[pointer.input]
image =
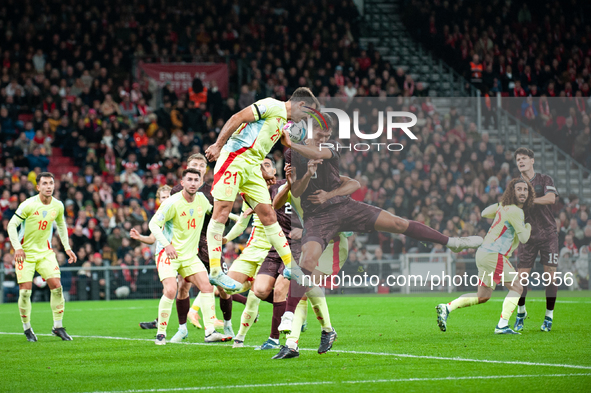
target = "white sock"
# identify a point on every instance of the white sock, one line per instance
(227, 323)
(291, 344)
(275, 340)
(183, 326)
(521, 309)
(57, 324)
(209, 331)
(240, 337)
(26, 326)
(503, 323)
(550, 313)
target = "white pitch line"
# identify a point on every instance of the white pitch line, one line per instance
(79, 310)
(400, 355)
(285, 384)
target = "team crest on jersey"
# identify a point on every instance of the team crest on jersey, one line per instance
(44, 213)
(53, 214)
(228, 191)
(199, 211)
(191, 211)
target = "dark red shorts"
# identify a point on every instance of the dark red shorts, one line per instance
(349, 216)
(272, 265)
(546, 246)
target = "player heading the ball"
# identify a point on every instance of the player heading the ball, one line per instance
(244, 142)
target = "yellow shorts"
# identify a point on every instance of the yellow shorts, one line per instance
(334, 256)
(46, 264)
(493, 268)
(170, 269)
(250, 261)
(232, 176)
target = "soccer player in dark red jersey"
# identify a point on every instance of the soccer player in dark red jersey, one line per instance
(341, 214)
(543, 240)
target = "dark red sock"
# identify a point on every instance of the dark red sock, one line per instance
(269, 299)
(551, 291)
(182, 308)
(521, 301)
(226, 307)
(419, 231)
(296, 293)
(278, 311)
(239, 298)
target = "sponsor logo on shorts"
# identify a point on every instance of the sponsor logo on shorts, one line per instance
(57, 268)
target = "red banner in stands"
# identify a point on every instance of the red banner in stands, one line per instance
(181, 75)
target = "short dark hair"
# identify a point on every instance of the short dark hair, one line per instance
(306, 95)
(270, 157)
(525, 151)
(44, 174)
(191, 170)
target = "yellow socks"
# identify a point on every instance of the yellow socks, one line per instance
(164, 310)
(321, 310)
(278, 240)
(509, 305)
(300, 315)
(215, 232)
(57, 306)
(208, 311)
(249, 315)
(24, 306)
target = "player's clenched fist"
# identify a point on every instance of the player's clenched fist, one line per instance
(213, 152)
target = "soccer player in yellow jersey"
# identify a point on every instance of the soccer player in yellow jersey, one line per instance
(181, 216)
(32, 245)
(492, 258)
(243, 143)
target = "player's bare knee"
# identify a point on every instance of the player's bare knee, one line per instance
(26, 285)
(483, 299)
(261, 293)
(207, 288)
(54, 283)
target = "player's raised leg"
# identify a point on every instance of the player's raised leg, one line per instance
(388, 222)
(470, 299)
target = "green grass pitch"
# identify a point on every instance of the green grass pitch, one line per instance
(386, 343)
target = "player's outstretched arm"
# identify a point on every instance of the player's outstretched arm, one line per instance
(282, 196)
(239, 227)
(135, 235)
(490, 212)
(244, 116)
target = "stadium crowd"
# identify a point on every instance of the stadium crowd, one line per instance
(538, 53)
(66, 90)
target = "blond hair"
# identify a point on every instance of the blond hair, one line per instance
(163, 188)
(196, 156)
